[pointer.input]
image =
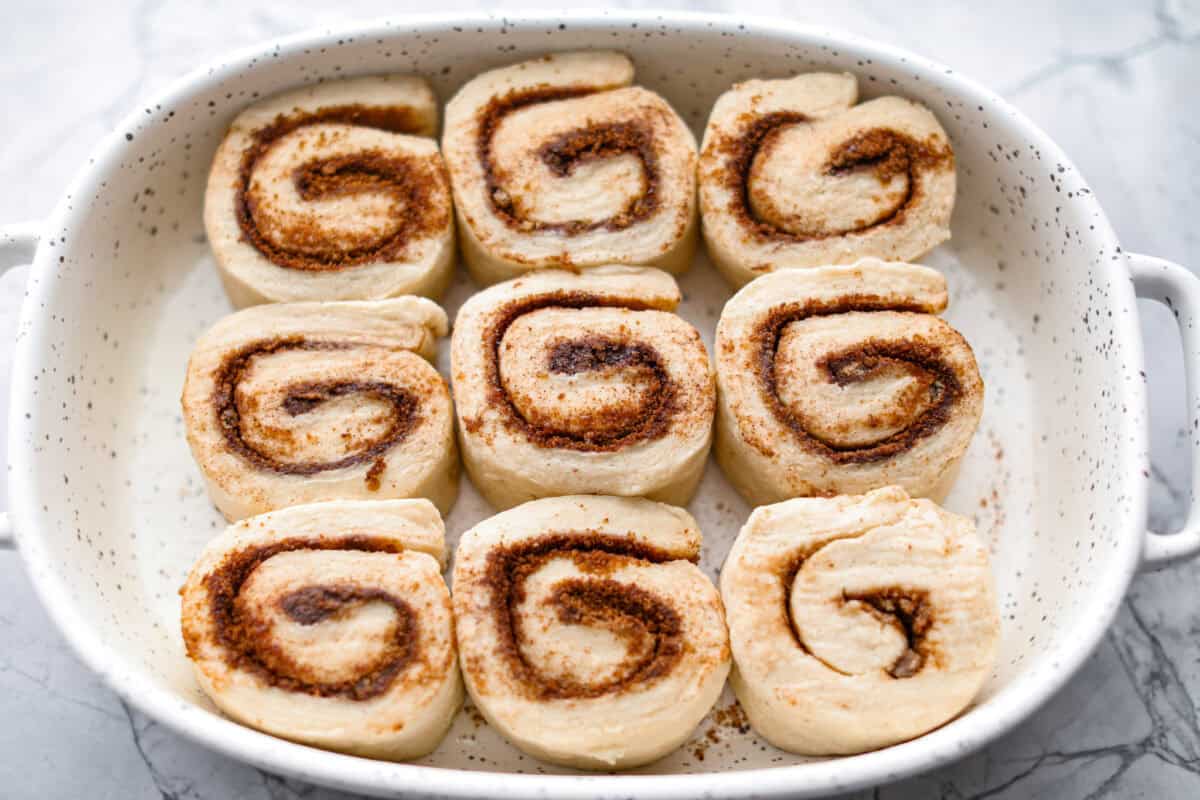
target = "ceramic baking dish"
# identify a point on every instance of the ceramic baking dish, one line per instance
(109, 511)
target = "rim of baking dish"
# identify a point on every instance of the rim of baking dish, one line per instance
(963, 735)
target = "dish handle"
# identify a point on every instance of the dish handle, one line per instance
(1179, 290)
(17, 245)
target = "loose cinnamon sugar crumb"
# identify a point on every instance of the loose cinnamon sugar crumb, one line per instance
(374, 474)
(732, 717)
(473, 714)
(993, 502)
(724, 722)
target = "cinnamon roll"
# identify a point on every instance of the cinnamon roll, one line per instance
(329, 624)
(588, 635)
(571, 383)
(293, 403)
(857, 622)
(333, 192)
(794, 174)
(841, 379)
(562, 162)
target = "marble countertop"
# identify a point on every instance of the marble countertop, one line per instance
(1114, 82)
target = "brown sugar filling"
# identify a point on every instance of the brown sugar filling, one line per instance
(909, 610)
(613, 429)
(416, 186)
(648, 624)
(302, 398)
(858, 363)
(563, 154)
(883, 151)
(596, 352)
(787, 576)
(245, 638)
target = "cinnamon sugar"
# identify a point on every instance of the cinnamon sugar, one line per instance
(648, 624)
(373, 475)
(303, 397)
(244, 639)
(613, 428)
(563, 153)
(740, 152)
(911, 612)
(724, 721)
(886, 152)
(856, 363)
(418, 187)
(908, 610)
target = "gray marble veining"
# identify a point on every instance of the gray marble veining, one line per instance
(1113, 82)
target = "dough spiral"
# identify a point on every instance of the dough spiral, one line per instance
(842, 379)
(329, 624)
(325, 193)
(293, 403)
(581, 383)
(857, 622)
(587, 635)
(794, 174)
(560, 161)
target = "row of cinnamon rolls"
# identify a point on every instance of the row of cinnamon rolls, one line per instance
(831, 380)
(339, 192)
(854, 616)
(584, 630)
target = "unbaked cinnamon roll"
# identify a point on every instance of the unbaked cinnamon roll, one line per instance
(298, 402)
(333, 192)
(857, 622)
(587, 383)
(794, 174)
(842, 379)
(561, 162)
(329, 624)
(588, 636)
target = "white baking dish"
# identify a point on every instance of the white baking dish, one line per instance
(109, 510)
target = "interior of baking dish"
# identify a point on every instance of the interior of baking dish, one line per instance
(1049, 477)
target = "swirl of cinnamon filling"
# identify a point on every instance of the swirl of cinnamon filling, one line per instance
(325, 193)
(794, 174)
(857, 622)
(588, 636)
(560, 161)
(581, 383)
(329, 624)
(294, 403)
(838, 380)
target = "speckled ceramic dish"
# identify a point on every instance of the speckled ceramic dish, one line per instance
(110, 511)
